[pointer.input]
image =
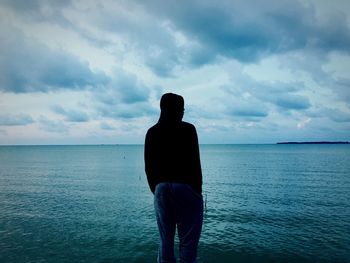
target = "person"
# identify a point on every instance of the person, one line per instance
(173, 169)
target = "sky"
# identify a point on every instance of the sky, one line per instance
(93, 72)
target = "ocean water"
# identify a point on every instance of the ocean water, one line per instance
(264, 203)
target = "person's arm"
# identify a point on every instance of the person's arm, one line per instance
(197, 163)
(149, 161)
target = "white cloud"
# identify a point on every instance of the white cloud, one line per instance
(303, 123)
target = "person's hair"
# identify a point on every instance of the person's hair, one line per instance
(171, 108)
(172, 102)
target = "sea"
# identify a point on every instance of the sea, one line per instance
(263, 203)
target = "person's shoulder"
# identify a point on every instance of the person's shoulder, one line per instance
(153, 127)
(188, 126)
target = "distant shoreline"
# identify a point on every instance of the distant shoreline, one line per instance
(320, 142)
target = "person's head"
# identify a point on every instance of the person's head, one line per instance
(172, 107)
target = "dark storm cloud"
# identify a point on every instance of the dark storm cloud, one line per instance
(15, 119)
(248, 30)
(29, 66)
(242, 30)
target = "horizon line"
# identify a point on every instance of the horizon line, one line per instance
(138, 144)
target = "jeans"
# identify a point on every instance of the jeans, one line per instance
(177, 205)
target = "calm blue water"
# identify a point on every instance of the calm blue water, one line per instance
(265, 203)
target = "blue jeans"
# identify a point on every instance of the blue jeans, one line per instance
(176, 204)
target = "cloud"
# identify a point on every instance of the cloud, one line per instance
(29, 66)
(335, 114)
(256, 96)
(242, 105)
(124, 88)
(243, 65)
(39, 10)
(250, 30)
(125, 111)
(144, 35)
(291, 101)
(162, 63)
(174, 35)
(126, 97)
(248, 112)
(335, 119)
(107, 127)
(53, 125)
(71, 115)
(303, 123)
(130, 90)
(342, 88)
(15, 119)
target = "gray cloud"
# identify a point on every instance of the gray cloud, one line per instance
(249, 112)
(39, 10)
(126, 97)
(246, 31)
(249, 108)
(15, 119)
(124, 88)
(53, 125)
(173, 39)
(256, 95)
(29, 66)
(334, 114)
(338, 115)
(130, 90)
(291, 101)
(125, 111)
(249, 30)
(107, 127)
(141, 33)
(342, 88)
(71, 115)
(162, 63)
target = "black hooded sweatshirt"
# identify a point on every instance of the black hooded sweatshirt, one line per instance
(172, 153)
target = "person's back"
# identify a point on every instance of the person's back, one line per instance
(172, 165)
(173, 155)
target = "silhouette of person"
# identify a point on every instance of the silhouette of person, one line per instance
(173, 169)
